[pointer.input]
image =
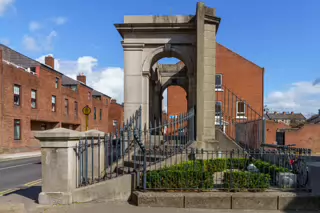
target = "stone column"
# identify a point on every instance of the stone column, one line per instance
(145, 100)
(59, 162)
(206, 70)
(133, 80)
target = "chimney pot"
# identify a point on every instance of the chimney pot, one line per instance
(49, 61)
(81, 77)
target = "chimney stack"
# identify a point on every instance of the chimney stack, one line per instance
(113, 101)
(81, 77)
(292, 113)
(275, 112)
(318, 111)
(49, 61)
(284, 113)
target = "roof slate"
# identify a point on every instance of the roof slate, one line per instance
(21, 60)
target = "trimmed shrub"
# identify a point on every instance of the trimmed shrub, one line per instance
(179, 179)
(246, 180)
(268, 168)
(199, 174)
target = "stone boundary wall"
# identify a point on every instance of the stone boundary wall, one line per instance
(223, 200)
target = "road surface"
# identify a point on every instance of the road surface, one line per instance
(16, 173)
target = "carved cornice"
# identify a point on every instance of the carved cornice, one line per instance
(212, 20)
(146, 74)
(132, 46)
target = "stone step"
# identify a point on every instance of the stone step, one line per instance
(131, 164)
(149, 158)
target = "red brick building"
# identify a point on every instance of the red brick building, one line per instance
(239, 96)
(35, 97)
(116, 116)
(307, 136)
(240, 76)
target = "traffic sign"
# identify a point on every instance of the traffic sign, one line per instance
(86, 110)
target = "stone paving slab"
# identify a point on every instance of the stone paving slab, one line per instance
(122, 207)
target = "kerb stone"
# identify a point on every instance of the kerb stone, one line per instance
(208, 200)
(256, 201)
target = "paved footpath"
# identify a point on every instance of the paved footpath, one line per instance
(122, 207)
(20, 155)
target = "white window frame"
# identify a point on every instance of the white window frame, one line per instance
(217, 116)
(219, 89)
(17, 92)
(220, 102)
(34, 99)
(53, 103)
(241, 115)
(57, 83)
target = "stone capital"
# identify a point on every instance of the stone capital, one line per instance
(146, 74)
(58, 134)
(132, 46)
(94, 133)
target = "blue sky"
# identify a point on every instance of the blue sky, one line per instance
(282, 36)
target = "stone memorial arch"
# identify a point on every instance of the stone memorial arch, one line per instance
(192, 40)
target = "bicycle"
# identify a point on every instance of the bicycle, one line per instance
(300, 168)
(295, 163)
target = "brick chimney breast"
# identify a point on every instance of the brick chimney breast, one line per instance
(49, 61)
(81, 77)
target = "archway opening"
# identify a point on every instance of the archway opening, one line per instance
(167, 74)
(168, 61)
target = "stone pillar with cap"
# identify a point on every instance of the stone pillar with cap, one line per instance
(60, 162)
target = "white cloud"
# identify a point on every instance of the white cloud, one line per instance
(5, 41)
(30, 43)
(33, 26)
(59, 20)
(39, 43)
(106, 80)
(48, 43)
(301, 97)
(4, 5)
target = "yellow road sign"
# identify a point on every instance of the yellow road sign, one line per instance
(86, 110)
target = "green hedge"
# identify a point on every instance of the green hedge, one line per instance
(246, 180)
(213, 165)
(199, 174)
(175, 179)
(268, 168)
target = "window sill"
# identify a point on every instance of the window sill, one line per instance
(242, 117)
(219, 90)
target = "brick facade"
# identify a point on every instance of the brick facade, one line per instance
(116, 116)
(308, 136)
(13, 71)
(242, 77)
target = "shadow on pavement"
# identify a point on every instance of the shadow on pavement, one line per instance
(30, 193)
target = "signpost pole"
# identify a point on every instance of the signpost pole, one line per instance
(86, 111)
(87, 122)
